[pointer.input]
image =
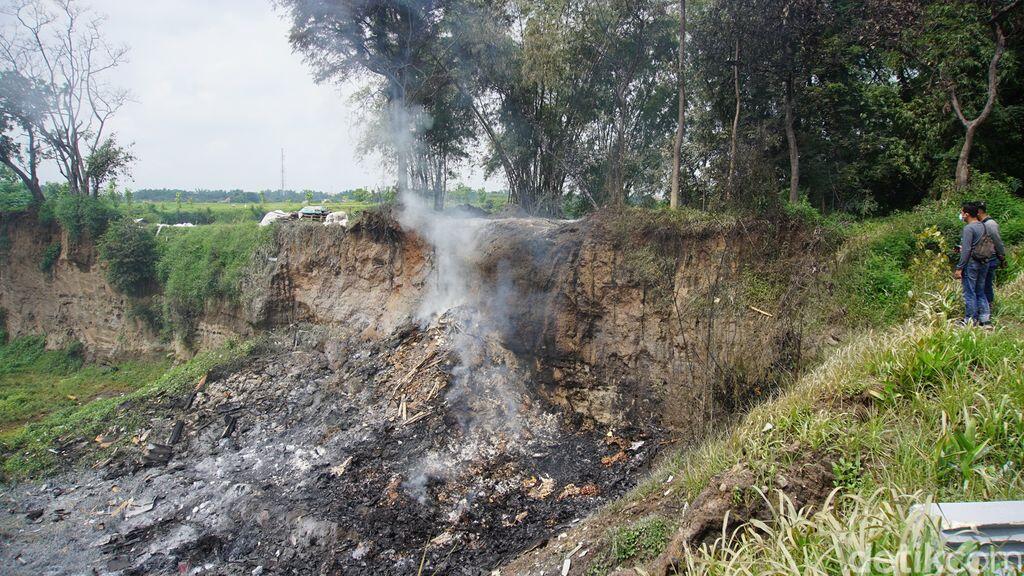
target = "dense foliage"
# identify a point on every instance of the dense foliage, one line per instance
(849, 103)
(203, 263)
(13, 195)
(79, 215)
(130, 251)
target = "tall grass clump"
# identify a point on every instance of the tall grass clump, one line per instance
(881, 533)
(203, 263)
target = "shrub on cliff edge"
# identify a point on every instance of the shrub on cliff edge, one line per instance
(131, 254)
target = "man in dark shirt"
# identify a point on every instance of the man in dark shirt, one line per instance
(970, 271)
(1000, 258)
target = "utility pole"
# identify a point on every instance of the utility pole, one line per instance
(282, 169)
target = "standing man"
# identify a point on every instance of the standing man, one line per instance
(992, 227)
(972, 268)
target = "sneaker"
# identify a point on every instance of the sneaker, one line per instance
(987, 326)
(963, 323)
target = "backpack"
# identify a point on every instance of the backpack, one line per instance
(985, 249)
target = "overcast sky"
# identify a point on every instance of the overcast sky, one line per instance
(218, 92)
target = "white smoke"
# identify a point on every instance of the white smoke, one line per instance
(454, 242)
(484, 397)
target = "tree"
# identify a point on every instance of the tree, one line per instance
(677, 150)
(999, 12)
(391, 39)
(21, 107)
(800, 23)
(55, 58)
(539, 81)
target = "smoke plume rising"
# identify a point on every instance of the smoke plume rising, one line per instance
(484, 395)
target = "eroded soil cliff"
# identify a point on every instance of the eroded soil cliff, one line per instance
(401, 415)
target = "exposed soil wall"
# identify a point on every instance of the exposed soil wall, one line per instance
(70, 302)
(607, 340)
(367, 437)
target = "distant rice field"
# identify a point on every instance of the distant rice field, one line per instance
(224, 213)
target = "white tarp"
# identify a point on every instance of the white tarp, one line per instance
(160, 227)
(339, 218)
(274, 216)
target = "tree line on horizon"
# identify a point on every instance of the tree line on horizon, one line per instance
(852, 105)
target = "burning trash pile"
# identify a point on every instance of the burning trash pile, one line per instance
(429, 449)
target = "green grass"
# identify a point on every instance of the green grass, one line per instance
(942, 421)
(35, 382)
(37, 411)
(203, 263)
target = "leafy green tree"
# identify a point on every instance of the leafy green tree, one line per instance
(964, 43)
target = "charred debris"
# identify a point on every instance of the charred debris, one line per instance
(336, 457)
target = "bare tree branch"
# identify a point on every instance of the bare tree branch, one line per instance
(59, 46)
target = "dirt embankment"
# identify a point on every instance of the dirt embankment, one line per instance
(71, 301)
(621, 323)
(369, 437)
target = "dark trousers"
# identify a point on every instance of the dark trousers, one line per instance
(990, 280)
(976, 309)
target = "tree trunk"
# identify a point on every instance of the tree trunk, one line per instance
(516, 182)
(730, 180)
(29, 182)
(963, 164)
(794, 152)
(439, 169)
(615, 184)
(399, 125)
(677, 149)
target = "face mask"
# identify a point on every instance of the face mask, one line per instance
(961, 216)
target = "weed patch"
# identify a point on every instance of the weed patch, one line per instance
(203, 263)
(50, 256)
(104, 397)
(636, 543)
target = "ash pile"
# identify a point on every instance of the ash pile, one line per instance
(426, 453)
